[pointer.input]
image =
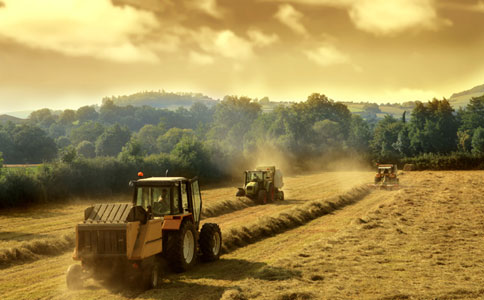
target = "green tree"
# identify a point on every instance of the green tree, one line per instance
(32, 145)
(433, 127)
(7, 146)
(112, 140)
(472, 116)
(402, 145)
(56, 130)
(68, 154)
(86, 113)
(385, 135)
(147, 136)
(360, 135)
(62, 142)
(192, 155)
(86, 149)
(233, 118)
(132, 152)
(464, 140)
(478, 141)
(168, 141)
(88, 131)
(328, 136)
(67, 117)
(42, 117)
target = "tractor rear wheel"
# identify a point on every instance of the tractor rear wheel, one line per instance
(262, 197)
(180, 247)
(74, 277)
(210, 241)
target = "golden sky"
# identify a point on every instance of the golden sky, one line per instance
(69, 53)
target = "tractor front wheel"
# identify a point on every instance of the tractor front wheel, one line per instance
(181, 247)
(210, 241)
(271, 194)
(74, 277)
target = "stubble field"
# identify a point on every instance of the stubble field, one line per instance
(423, 241)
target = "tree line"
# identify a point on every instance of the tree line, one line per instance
(216, 141)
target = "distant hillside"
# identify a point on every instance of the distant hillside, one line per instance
(162, 99)
(7, 118)
(462, 98)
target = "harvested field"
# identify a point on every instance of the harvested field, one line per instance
(423, 241)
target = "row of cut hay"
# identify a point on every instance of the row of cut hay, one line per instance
(33, 250)
(270, 226)
(227, 206)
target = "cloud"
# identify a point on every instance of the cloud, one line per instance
(261, 39)
(383, 17)
(225, 43)
(327, 56)
(379, 17)
(200, 58)
(93, 28)
(290, 17)
(209, 7)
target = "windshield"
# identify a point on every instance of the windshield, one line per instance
(159, 198)
(255, 176)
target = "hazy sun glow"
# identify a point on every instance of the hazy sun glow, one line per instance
(68, 53)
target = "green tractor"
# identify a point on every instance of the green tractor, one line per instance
(262, 185)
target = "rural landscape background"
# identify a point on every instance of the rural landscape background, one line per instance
(94, 91)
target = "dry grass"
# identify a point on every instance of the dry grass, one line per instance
(238, 274)
(36, 249)
(270, 226)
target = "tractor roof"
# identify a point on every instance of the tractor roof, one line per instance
(158, 180)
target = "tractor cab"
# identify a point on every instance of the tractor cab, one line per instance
(168, 196)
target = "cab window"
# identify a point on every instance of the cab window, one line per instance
(184, 197)
(159, 198)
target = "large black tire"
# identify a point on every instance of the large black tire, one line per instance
(74, 277)
(210, 242)
(180, 247)
(271, 193)
(240, 193)
(150, 273)
(262, 197)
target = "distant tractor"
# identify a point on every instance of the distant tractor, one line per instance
(386, 176)
(262, 185)
(133, 241)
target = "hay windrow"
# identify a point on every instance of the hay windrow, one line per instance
(33, 250)
(227, 206)
(270, 226)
